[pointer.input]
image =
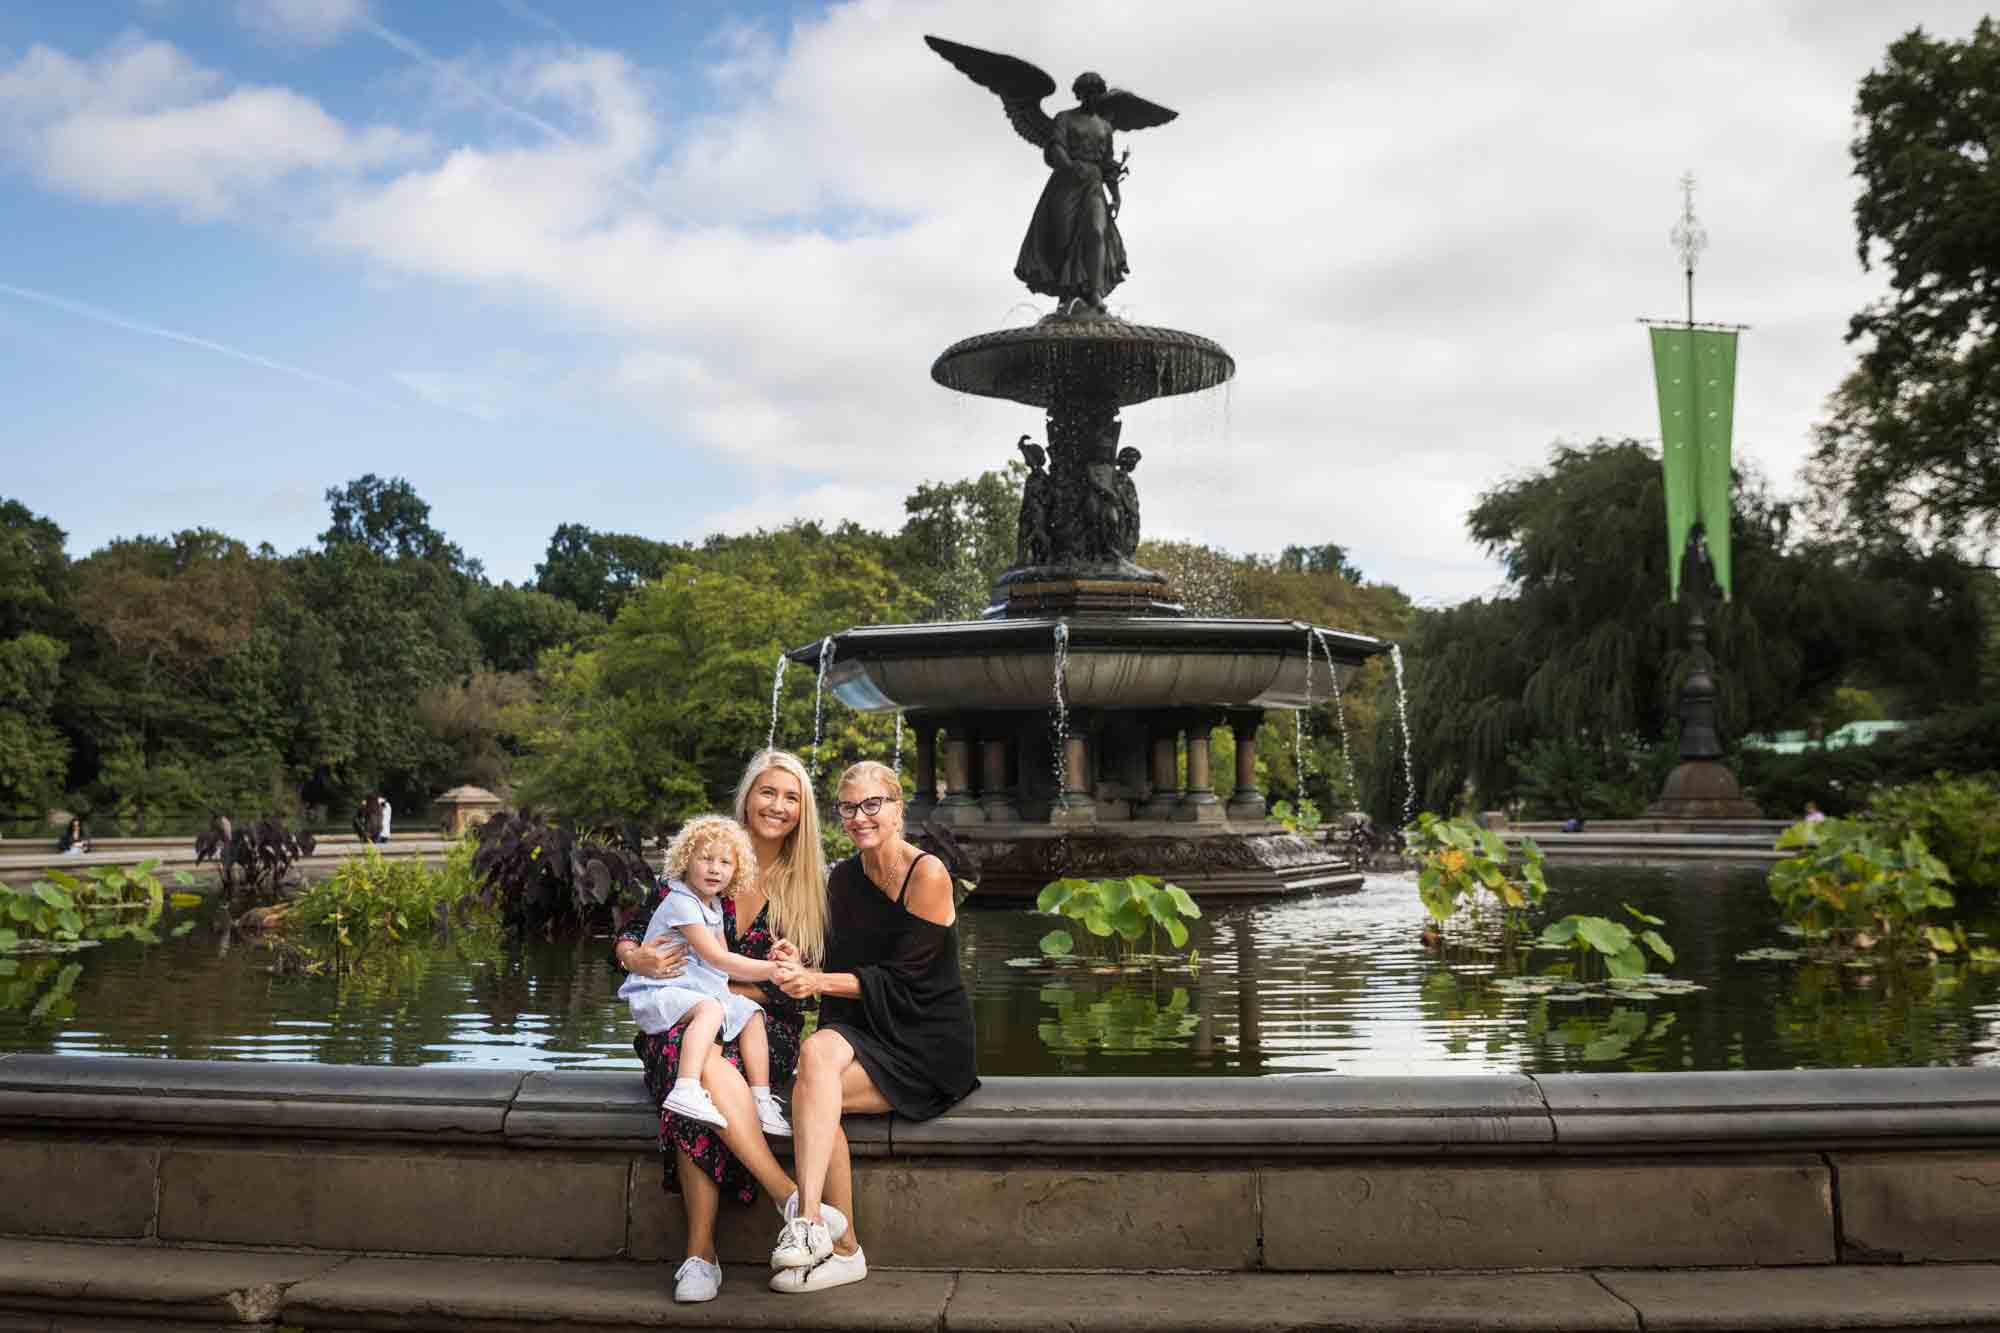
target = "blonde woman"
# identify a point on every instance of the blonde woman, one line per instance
(775, 805)
(895, 1025)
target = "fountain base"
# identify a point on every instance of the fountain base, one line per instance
(1233, 859)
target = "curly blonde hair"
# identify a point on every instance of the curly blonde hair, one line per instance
(703, 830)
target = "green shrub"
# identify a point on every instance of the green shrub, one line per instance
(1958, 819)
(1616, 944)
(372, 903)
(1458, 861)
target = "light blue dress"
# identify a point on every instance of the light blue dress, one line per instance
(658, 1003)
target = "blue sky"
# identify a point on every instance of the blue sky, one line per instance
(672, 268)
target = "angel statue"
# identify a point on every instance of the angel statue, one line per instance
(1072, 251)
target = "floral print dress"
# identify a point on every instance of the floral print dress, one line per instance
(784, 1026)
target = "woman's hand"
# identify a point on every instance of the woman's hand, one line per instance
(660, 957)
(784, 951)
(797, 982)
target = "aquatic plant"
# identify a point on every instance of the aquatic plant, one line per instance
(1613, 946)
(62, 913)
(1303, 818)
(541, 875)
(1850, 889)
(1118, 912)
(1958, 819)
(373, 903)
(1458, 862)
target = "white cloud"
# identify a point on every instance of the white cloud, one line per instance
(306, 22)
(141, 123)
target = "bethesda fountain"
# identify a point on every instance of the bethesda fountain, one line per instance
(1068, 730)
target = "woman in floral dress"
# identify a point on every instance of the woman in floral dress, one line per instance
(774, 801)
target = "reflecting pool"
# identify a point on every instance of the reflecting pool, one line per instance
(1336, 983)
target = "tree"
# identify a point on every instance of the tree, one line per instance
(1586, 650)
(597, 571)
(515, 626)
(389, 518)
(959, 538)
(1914, 437)
(34, 755)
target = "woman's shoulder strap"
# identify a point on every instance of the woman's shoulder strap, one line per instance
(911, 872)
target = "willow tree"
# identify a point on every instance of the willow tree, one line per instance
(1584, 649)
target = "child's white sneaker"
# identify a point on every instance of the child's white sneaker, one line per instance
(771, 1119)
(692, 1101)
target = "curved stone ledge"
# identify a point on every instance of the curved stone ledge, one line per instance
(1310, 1116)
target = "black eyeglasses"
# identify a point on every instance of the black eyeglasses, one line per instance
(872, 806)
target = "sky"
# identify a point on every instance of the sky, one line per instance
(673, 269)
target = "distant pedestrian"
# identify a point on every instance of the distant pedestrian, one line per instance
(1574, 824)
(1814, 815)
(383, 811)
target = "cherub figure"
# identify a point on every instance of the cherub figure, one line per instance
(1031, 534)
(1128, 503)
(1072, 251)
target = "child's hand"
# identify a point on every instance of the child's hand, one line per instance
(784, 951)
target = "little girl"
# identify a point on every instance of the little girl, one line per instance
(708, 860)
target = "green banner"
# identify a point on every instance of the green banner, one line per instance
(1694, 371)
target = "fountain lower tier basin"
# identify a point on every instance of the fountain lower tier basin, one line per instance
(1110, 662)
(1252, 859)
(1096, 358)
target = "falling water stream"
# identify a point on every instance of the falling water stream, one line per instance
(1062, 711)
(1299, 722)
(1339, 709)
(1403, 722)
(819, 695)
(777, 683)
(899, 743)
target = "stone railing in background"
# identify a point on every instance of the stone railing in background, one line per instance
(1298, 1174)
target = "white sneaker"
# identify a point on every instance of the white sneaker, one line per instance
(836, 1270)
(801, 1244)
(695, 1104)
(697, 1280)
(836, 1221)
(772, 1120)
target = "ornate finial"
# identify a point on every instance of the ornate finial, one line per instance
(1690, 238)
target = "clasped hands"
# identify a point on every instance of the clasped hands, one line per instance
(793, 977)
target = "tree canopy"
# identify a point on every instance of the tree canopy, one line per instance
(1913, 442)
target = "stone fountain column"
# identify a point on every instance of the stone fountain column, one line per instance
(1199, 803)
(1074, 805)
(958, 806)
(925, 801)
(995, 798)
(1246, 802)
(1164, 798)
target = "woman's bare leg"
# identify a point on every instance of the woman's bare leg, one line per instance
(744, 1137)
(829, 1082)
(839, 1190)
(701, 1200)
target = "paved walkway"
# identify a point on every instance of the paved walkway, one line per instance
(23, 865)
(65, 1285)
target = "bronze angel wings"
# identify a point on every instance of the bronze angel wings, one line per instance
(1021, 88)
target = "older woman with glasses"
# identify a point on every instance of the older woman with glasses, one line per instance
(895, 1023)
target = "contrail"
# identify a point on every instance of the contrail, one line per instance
(188, 339)
(535, 16)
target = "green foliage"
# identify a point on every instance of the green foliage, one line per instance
(537, 875)
(515, 626)
(959, 538)
(1850, 888)
(1585, 649)
(1118, 913)
(62, 913)
(1556, 778)
(373, 904)
(388, 519)
(1616, 945)
(655, 721)
(1120, 1020)
(597, 571)
(1957, 819)
(1458, 862)
(1911, 444)
(1303, 819)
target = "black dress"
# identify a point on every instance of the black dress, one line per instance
(911, 1028)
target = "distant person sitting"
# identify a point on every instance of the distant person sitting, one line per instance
(1574, 824)
(74, 841)
(1814, 815)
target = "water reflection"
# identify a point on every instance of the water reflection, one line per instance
(1338, 983)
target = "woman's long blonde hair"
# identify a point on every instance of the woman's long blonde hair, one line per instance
(796, 883)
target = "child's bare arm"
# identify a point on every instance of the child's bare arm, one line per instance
(709, 949)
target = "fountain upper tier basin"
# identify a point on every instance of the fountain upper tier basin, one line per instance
(1121, 662)
(1095, 358)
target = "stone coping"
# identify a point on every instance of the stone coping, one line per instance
(1308, 1116)
(81, 1285)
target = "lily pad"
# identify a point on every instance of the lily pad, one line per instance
(1769, 955)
